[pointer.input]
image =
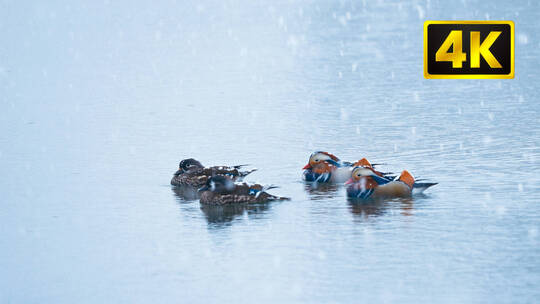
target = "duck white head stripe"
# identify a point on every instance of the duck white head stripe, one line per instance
(361, 171)
(318, 156)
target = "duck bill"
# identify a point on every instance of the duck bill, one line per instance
(308, 166)
(203, 188)
(178, 172)
(350, 181)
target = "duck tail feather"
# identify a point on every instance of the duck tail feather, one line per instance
(240, 166)
(268, 187)
(247, 172)
(423, 185)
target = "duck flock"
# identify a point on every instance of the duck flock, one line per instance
(222, 185)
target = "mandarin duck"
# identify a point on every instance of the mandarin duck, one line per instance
(222, 190)
(325, 167)
(192, 173)
(366, 183)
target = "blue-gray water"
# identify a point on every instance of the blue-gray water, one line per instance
(101, 100)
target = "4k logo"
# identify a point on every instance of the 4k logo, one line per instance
(468, 49)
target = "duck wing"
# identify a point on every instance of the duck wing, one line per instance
(232, 172)
(193, 179)
(258, 192)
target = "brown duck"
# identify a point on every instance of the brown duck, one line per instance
(221, 190)
(192, 173)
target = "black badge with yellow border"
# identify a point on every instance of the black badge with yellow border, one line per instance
(468, 49)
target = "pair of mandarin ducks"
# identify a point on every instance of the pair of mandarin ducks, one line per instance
(361, 179)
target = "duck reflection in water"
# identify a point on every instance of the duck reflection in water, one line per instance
(186, 193)
(225, 215)
(319, 191)
(376, 207)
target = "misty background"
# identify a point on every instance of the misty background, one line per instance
(100, 100)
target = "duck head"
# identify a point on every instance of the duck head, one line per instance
(320, 158)
(359, 172)
(218, 184)
(188, 164)
(361, 184)
(363, 174)
(320, 167)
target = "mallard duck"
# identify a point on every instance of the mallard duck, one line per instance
(192, 173)
(222, 190)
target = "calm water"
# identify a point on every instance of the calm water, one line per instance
(100, 101)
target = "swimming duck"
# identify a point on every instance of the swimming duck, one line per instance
(221, 190)
(192, 173)
(366, 183)
(325, 167)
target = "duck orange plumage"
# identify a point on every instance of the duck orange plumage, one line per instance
(366, 183)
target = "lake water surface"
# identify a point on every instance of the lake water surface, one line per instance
(100, 101)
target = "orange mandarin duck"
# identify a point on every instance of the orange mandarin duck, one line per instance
(324, 167)
(366, 183)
